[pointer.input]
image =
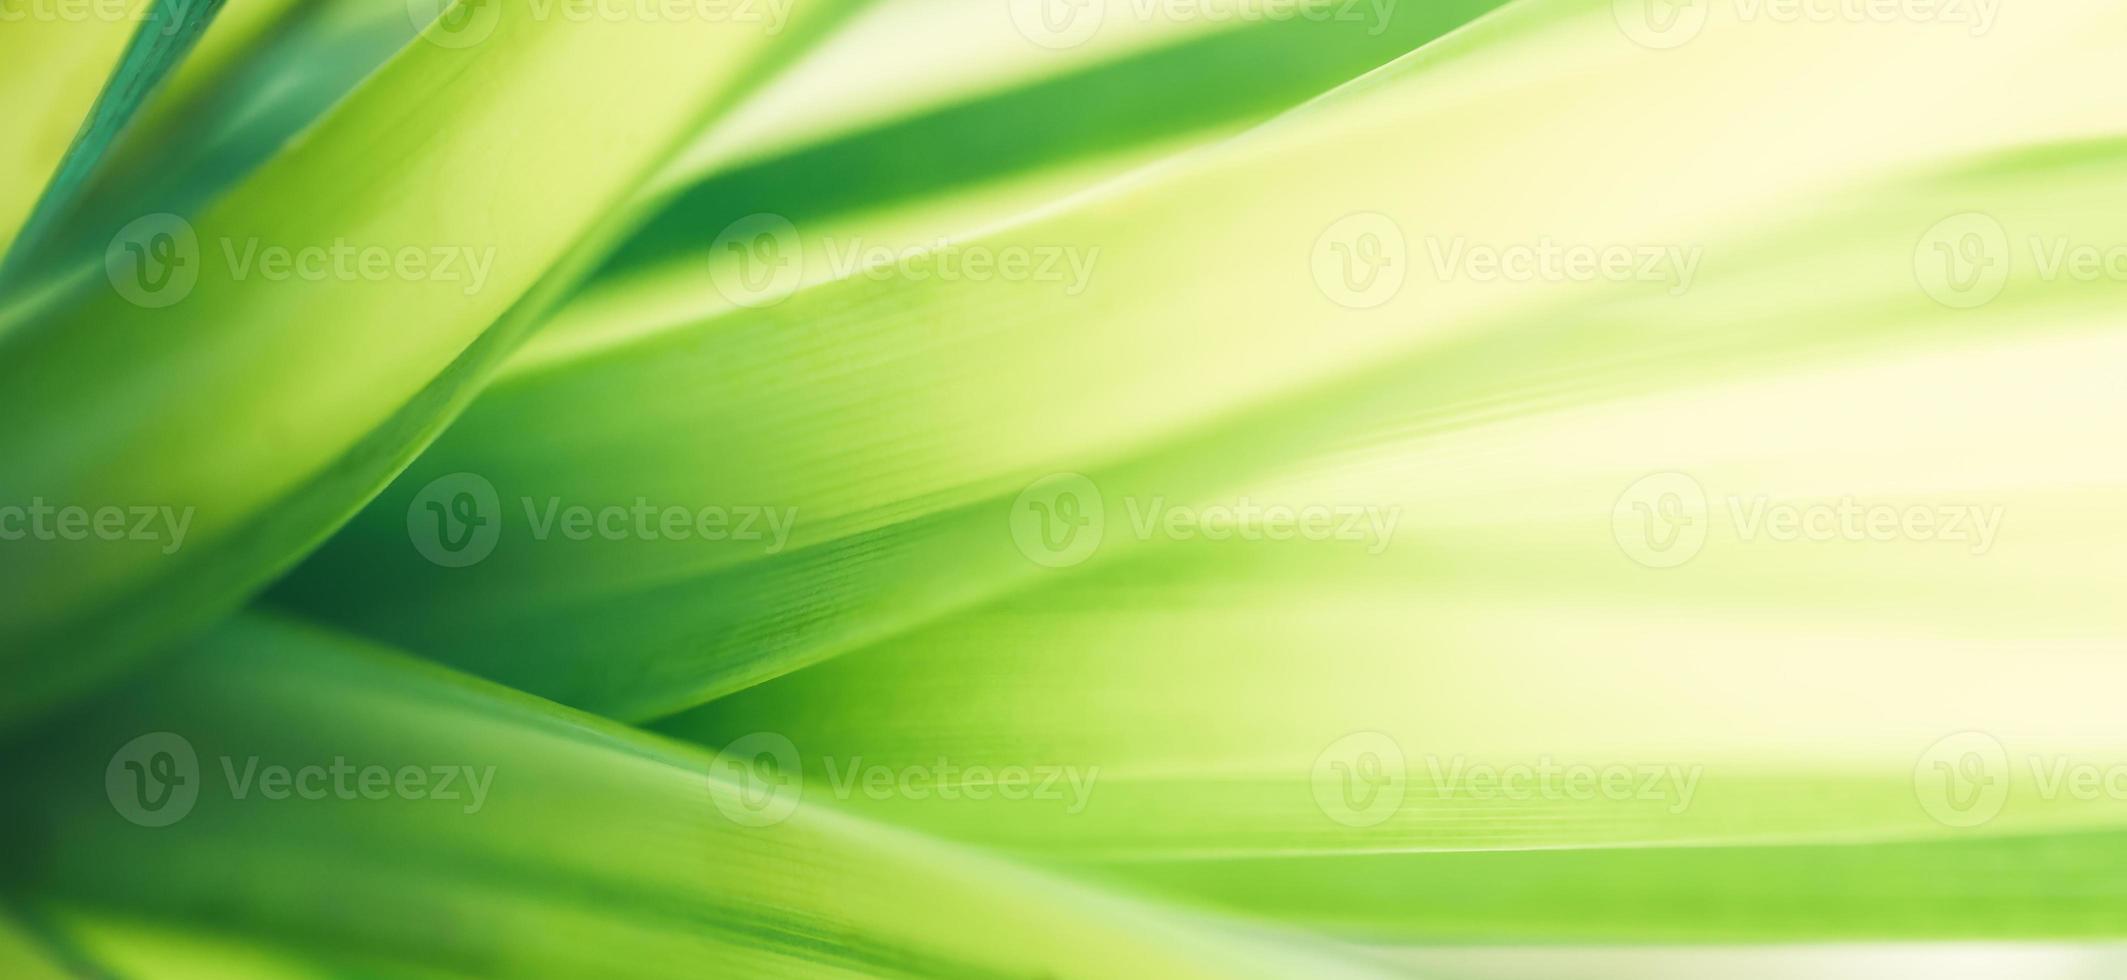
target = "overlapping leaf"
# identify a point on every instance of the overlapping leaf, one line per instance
(892, 419)
(795, 314)
(130, 396)
(538, 841)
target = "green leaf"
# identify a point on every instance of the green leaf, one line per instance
(1209, 686)
(264, 73)
(892, 421)
(629, 304)
(337, 379)
(168, 33)
(896, 170)
(51, 69)
(562, 844)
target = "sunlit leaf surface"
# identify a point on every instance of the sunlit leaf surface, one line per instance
(1063, 488)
